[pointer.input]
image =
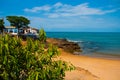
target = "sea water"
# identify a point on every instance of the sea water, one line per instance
(92, 42)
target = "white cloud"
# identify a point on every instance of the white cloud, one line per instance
(58, 5)
(62, 10)
(36, 9)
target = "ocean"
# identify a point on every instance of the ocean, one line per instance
(92, 42)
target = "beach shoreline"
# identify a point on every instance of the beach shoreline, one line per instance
(75, 49)
(89, 67)
(92, 42)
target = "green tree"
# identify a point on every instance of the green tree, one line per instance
(18, 21)
(1, 25)
(42, 35)
(23, 21)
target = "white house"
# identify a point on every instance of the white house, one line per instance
(27, 30)
(12, 30)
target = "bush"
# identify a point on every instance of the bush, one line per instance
(42, 35)
(29, 62)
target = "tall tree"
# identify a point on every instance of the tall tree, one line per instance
(18, 21)
(2, 25)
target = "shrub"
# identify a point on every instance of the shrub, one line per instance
(30, 61)
(42, 35)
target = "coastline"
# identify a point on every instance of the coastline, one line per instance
(74, 48)
(89, 67)
(107, 43)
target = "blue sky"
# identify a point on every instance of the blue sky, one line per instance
(66, 15)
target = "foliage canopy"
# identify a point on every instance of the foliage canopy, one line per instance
(18, 21)
(30, 61)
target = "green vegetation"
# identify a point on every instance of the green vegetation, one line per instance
(18, 21)
(30, 61)
(42, 35)
(2, 25)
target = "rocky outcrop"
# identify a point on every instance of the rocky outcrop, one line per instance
(64, 44)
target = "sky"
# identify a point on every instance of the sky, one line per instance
(66, 15)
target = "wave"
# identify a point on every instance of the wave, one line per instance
(75, 41)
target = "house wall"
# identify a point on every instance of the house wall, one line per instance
(34, 31)
(11, 31)
(27, 30)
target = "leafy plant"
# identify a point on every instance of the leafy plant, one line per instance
(42, 35)
(31, 61)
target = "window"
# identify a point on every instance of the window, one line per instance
(15, 30)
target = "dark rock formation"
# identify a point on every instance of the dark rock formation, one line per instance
(64, 44)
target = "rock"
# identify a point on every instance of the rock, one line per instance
(64, 44)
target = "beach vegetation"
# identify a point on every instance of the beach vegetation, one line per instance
(30, 61)
(42, 35)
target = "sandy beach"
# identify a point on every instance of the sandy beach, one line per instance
(89, 68)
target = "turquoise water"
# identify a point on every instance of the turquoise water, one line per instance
(92, 42)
